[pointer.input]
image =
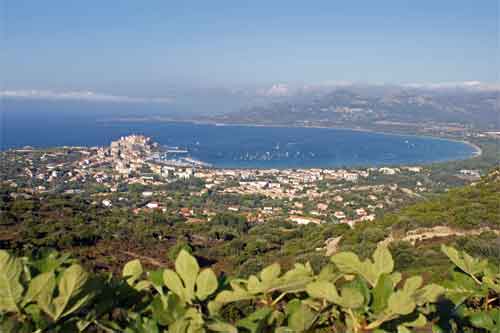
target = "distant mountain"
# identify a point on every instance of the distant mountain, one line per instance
(353, 106)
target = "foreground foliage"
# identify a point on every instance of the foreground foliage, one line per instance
(55, 294)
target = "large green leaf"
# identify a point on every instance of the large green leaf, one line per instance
(270, 273)
(299, 271)
(487, 320)
(412, 284)
(381, 293)
(167, 309)
(160, 311)
(219, 326)
(45, 297)
(256, 321)
(461, 287)
(360, 285)
(174, 283)
(346, 262)
(323, 290)
(382, 260)
(350, 298)
(428, 294)
(464, 261)
(254, 285)
(187, 267)
(132, 271)
(301, 319)
(349, 263)
(206, 284)
(179, 326)
(38, 285)
(227, 296)
(400, 303)
(11, 289)
(71, 289)
(52, 262)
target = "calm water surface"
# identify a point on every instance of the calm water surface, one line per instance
(233, 146)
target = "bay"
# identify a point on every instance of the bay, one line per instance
(230, 146)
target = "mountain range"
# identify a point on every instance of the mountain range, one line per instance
(412, 106)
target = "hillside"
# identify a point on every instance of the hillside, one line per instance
(467, 217)
(105, 239)
(403, 109)
(234, 276)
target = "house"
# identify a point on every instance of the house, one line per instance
(186, 174)
(351, 177)
(186, 212)
(106, 203)
(338, 198)
(414, 169)
(361, 212)
(298, 205)
(471, 173)
(350, 223)
(322, 206)
(368, 218)
(195, 220)
(304, 220)
(339, 215)
(152, 205)
(387, 171)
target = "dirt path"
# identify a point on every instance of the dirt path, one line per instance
(421, 234)
(149, 260)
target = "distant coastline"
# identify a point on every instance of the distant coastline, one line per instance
(478, 151)
(239, 146)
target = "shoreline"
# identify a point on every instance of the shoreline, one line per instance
(477, 153)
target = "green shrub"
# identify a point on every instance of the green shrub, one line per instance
(55, 294)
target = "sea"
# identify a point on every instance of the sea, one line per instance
(52, 124)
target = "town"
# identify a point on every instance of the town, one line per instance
(127, 175)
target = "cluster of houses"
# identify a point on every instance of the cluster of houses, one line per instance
(127, 160)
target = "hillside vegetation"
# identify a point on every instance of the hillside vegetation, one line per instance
(471, 213)
(55, 294)
(105, 239)
(468, 207)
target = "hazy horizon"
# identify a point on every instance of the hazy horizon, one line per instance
(163, 51)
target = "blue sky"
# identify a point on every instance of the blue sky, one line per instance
(154, 48)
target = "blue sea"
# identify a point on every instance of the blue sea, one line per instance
(52, 124)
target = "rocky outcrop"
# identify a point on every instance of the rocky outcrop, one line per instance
(421, 234)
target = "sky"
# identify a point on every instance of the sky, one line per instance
(159, 49)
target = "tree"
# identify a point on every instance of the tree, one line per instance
(238, 222)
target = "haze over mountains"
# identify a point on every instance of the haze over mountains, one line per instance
(454, 106)
(462, 105)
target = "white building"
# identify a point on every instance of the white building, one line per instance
(304, 220)
(152, 205)
(339, 215)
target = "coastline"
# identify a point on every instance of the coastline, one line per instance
(477, 153)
